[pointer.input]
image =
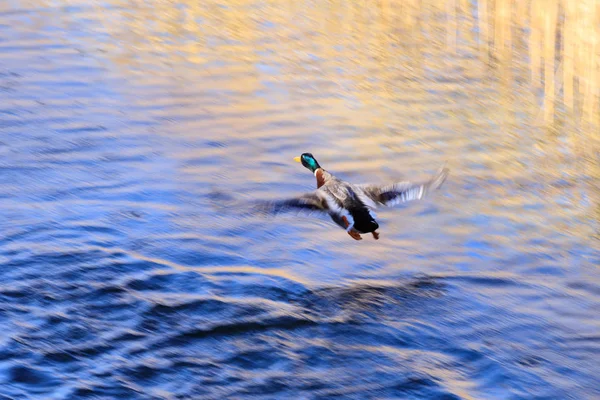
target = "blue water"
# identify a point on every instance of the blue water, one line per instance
(129, 135)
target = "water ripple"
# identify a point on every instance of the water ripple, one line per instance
(133, 136)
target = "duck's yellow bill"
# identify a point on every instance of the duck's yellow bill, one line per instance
(297, 159)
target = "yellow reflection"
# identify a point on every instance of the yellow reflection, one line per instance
(391, 70)
(382, 39)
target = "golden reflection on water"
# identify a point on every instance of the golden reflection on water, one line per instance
(413, 67)
(551, 45)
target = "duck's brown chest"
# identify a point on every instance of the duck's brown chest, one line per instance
(320, 178)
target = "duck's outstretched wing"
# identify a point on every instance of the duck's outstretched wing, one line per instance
(401, 192)
(310, 202)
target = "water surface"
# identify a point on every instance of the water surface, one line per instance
(128, 130)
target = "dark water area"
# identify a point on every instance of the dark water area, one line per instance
(130, 132)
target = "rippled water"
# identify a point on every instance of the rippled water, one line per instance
(130, 130)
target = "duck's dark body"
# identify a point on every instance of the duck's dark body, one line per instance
(363, 221)
(350, 203)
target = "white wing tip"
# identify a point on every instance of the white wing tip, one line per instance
(440, 177)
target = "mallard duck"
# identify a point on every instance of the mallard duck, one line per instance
(351, 205)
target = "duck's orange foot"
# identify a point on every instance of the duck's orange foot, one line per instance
(355, 235)
(375, 235)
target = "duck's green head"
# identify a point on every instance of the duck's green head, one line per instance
(308, 161)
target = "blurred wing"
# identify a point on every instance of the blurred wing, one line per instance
(402, 192)
(310, 202)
